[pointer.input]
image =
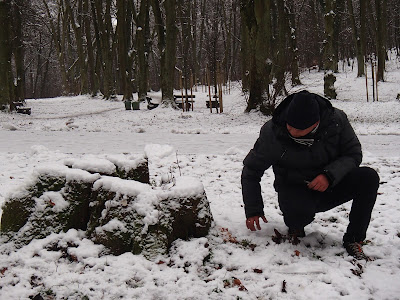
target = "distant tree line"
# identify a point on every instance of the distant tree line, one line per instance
(67, 47)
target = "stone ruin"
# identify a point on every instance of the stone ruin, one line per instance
(112, 202)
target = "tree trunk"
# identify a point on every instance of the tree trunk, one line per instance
(363, 37)
(170, 50)
(338, 9)
(193, 29)
(186, 43)
(142, 55)
(6, 78)
(245, 54)
(105, 36)
(59, 43)
(291, 25)
(357, 39)
(280, 50)
(19, 51)
(93, 76)
(381, 34)
(256, 18)
(201, 38)
(124, 16)
(166, 46)
(330, 61)
(81, 64)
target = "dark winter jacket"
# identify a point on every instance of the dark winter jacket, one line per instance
(335, 151)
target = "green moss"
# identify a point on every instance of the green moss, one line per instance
(140, 173)
(46, 183)
(16, 212)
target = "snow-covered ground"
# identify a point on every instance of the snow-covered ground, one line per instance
(231, 262)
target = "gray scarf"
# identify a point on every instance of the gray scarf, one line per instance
(308, 140)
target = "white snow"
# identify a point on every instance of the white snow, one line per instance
(91, 163)
(125, 187)
(231, 262)
(55, 199)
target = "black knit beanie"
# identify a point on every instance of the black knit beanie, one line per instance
(303, 110)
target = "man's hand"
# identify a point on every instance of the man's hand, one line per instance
(250, 222)
(320, 183)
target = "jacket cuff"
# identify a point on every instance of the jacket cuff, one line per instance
(253, 213)
(329, 175)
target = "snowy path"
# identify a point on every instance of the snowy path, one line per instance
(125, 142)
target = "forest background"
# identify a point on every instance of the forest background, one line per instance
(69, 47)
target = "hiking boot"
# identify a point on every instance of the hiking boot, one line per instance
(297, 232)
(355, 249)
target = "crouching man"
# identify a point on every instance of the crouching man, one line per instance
(315, 156)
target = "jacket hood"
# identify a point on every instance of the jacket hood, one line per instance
(279, 115)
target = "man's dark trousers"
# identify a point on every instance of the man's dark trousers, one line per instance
(299, 204)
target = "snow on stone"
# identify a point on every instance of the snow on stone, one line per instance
(112, 225)
(126, 163)
(91, 163)
(56, 170)
(125, 187)
(55, 199)
(185, 187)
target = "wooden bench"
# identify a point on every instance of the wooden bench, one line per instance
(151, 105)
(186, 99)
(19, 106)
(24, 110)
(214, 102)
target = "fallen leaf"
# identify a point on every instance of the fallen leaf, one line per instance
(236, 281)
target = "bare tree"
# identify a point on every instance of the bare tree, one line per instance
(19, 51)
(256, 18)
(142, 38)
(381, 35)
(167, 35)
(125, 60)
(6, 78)
(330, 59)
(105, 41)
(357, 39)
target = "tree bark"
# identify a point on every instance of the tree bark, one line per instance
(338, 9)
(6, 78)
(92, 74)
(19, 51)
(357, 39)
(60, 46)
(330, 61)
(256, 18)
(381, 34)
(81, 64)
(170, 49)
(124, 16)
(142, 55)
(106, 40)
(281, 56)
(292, 32)
(363, 23)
